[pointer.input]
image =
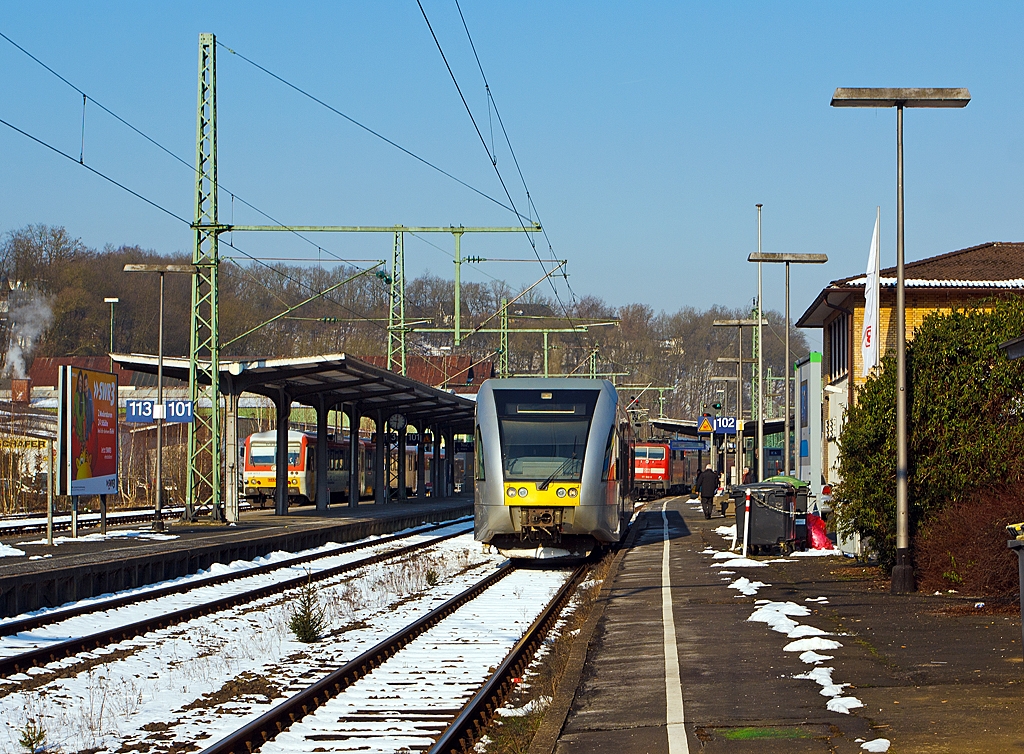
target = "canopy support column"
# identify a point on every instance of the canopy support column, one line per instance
(401, 464)
(380, 461)
(284, 411)
(323, 493)
(421, 461)
(353, 455)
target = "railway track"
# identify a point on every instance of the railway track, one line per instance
(47, 650)
(47, 617)
(432, 685)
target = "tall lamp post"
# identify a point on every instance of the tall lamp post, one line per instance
(903, 572)
(787, 259)
(158, 409)
(111, 300)
(760, 360)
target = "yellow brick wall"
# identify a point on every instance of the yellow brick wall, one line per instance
(920, 303)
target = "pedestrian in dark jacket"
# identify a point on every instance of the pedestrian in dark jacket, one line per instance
(706, 485)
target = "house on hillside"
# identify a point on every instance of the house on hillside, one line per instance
(964, 279)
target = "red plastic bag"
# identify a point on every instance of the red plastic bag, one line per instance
(816, 533)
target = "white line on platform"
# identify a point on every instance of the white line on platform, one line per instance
(677, 743)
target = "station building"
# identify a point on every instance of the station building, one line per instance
(965, 279)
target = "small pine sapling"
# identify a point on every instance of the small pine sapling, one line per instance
(310, 617)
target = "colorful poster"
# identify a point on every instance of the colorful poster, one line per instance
(88, 421)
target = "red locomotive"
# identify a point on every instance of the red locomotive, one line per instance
(658, 470)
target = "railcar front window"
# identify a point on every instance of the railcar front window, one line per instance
(544, 434)
(539, 450)
(655, 454)
(265, 454)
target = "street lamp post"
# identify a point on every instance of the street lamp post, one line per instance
(111, 300)
(903, 572)
(760, 360)
(158, 409)
(788, 259)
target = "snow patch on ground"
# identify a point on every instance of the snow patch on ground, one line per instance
(801, 631)
(740, 562)
(534, 705)
(823, 677)
(813, 658)
(726, 555)
(811, 644)
(879, 744)
(728, 532)
(6, 551)
(843, 704)
(747, 587)
(97, 537)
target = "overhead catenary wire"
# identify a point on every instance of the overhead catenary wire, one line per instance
(157, 144)
(178, 158)
(366, 128)
(494, 164)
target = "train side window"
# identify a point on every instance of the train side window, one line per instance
(478, 455)
(608, 472)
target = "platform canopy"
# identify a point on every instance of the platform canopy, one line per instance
(337, 378)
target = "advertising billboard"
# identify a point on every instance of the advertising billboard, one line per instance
(87, 437)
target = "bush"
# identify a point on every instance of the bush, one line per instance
(309, 618)
(963, 547)
(965, 402)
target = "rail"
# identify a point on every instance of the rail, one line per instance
(9, 628)
(21, 662)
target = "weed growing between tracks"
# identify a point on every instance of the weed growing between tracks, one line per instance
(512, 731)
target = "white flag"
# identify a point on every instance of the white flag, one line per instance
(869, 330)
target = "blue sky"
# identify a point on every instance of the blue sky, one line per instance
(647, 132)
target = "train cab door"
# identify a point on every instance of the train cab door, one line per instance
(311, 473)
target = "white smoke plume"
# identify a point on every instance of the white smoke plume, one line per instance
(29, 316)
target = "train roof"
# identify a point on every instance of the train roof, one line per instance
(549, 383)
(271, 436)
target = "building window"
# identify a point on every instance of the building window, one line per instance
(839, 346)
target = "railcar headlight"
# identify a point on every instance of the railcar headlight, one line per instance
(511, 492)
(523, 492)
(560, 492)
(573, 492)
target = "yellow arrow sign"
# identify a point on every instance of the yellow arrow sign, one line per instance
(705, 426)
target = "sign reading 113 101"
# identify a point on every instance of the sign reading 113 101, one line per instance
(174, 411)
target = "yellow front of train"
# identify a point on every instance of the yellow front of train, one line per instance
(549, 466)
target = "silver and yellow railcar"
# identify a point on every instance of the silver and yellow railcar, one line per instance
(554, 467)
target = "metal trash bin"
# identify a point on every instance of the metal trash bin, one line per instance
(803, 490)
(772, 516)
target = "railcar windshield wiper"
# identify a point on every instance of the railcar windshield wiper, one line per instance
(561, 467)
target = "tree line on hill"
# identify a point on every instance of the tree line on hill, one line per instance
(55, 286)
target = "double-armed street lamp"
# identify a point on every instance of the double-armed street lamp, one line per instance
(158, 409)
(787, 259)
(903, 572)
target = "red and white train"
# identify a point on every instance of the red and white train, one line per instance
(658, 470)
(260, 475)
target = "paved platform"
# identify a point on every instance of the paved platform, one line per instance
(74, 569)
(674, 664)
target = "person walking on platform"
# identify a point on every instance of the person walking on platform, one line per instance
(706, 485)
